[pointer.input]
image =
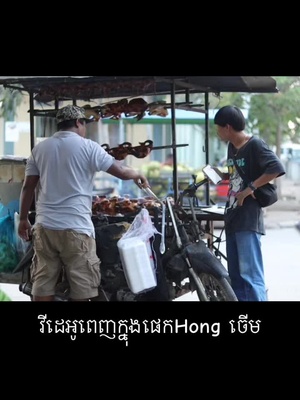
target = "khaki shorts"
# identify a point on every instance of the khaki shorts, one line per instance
(67, 250)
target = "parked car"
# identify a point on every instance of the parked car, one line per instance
(290, 151)
(217, 193)
(223, 186)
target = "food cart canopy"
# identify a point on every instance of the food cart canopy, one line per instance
(46, 89)
(61, 88)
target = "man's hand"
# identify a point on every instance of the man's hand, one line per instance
(142, 182)
(240, 196)
(25, 230)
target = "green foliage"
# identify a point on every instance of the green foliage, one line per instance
(236, 99)
(276, 117)
(9, 101)
(4, 296)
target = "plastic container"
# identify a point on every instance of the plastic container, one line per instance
(136, 262)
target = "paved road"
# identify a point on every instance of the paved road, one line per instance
(282, 264)
(281, 253)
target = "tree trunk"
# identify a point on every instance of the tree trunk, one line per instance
(278, 151)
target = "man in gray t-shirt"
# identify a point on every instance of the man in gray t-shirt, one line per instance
(61, 169)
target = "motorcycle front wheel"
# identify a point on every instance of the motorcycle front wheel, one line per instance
(196, 284)
(217, 289)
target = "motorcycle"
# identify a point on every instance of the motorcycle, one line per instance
(183, 261)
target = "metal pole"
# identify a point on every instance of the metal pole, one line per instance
(173, 123)
(207, 196)
(31, 118)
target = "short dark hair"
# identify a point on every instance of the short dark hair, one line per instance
(230, 115)
(70, 123)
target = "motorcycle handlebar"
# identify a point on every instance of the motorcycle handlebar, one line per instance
(192, 188)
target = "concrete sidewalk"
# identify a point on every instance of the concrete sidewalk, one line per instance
(12, 290)
(285, 212)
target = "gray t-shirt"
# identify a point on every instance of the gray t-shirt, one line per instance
(66, 164)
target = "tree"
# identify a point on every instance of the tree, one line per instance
(236, 99)
(9, 101)
(276, 117)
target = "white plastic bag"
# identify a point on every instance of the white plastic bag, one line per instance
(141, 227)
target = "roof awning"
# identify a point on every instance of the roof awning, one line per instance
(62, 88)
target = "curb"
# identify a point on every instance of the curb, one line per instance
(283, 225)
(285, 205)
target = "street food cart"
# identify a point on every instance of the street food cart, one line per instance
(126, 99)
